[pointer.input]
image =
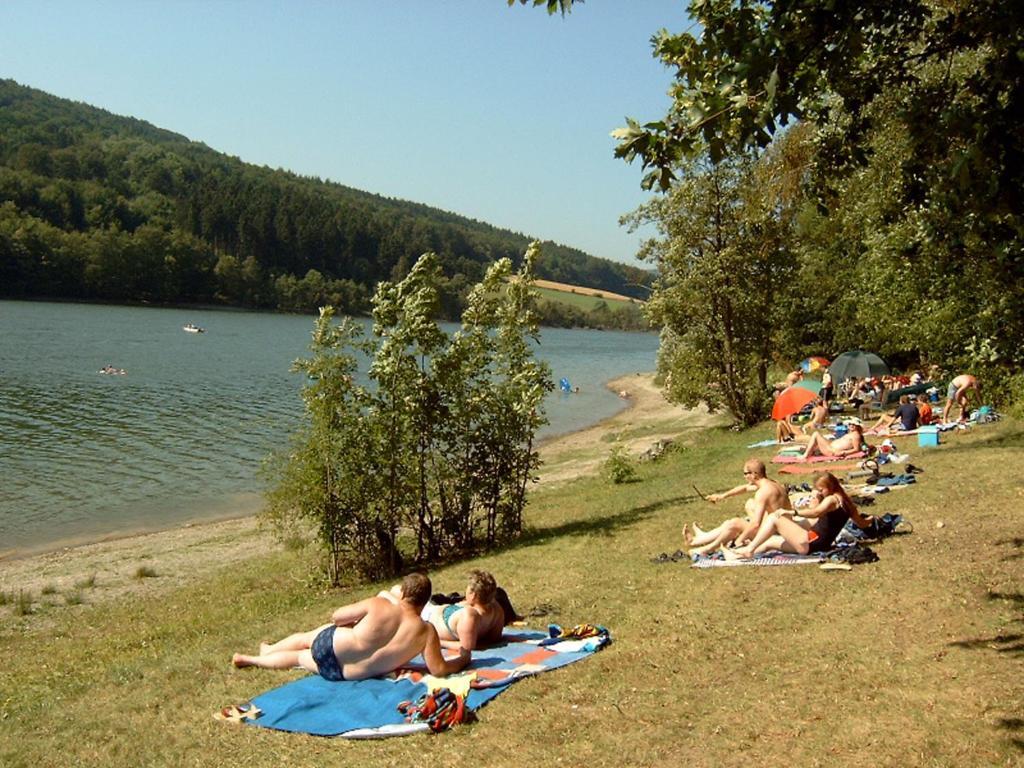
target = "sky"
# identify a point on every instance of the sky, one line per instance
(496, 113)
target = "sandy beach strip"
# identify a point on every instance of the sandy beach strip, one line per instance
(189, 553)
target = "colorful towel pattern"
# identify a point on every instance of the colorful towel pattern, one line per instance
(369, 708)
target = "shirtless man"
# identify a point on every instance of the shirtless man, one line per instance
(957, 393)
(366, 639)
(769, 496)
(819, 415)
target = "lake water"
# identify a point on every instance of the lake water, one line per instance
(181, 437)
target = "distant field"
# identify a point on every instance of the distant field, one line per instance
(581, 291)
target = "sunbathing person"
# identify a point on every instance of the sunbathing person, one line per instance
(924, 410)
(812, 530)
(848, 445)
(904, 418)
(784, 432)
(473, 621)
(819, 415)
(769, 496)
(366, 639)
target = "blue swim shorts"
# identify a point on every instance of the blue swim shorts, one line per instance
(323, 654)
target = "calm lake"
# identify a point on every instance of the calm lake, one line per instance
(181, 436)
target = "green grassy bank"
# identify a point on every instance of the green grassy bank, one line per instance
(917, 659)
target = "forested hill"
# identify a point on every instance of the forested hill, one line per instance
(98, 206)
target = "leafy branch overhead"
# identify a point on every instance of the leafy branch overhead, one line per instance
(755, 66)
(553, 6)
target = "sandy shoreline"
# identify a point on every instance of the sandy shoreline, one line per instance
(186, 554)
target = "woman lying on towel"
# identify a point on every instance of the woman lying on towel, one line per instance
(476, 620)
(813, 530)
(850, 443)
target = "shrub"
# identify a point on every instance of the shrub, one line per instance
(86, 583)
(23, 603)
(618, 468)
(144, 572)
(441, 444)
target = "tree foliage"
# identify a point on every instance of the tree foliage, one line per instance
(726, 267)
(442, 440)
(911, 238)
(95, 206)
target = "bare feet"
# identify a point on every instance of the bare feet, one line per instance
(687, 535)
(740, 553)
(697, 530)
(240, 660)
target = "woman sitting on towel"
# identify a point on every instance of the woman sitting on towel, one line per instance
(474, 621)
(850, 443)
(812, 530)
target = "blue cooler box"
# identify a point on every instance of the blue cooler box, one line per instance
(928, 436)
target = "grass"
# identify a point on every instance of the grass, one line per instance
(580, 301)
(22, 603)
(145, 572)
(87, 583)
(917, 659)
(49, 589)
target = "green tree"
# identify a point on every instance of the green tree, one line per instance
(327, 478)
(725, 266)
(917, 108)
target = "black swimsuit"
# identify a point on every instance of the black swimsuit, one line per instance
(835, 521)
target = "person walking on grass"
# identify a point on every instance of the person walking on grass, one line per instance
(370, 638)
(769, 496)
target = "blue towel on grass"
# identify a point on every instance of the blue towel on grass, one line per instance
(369, 708)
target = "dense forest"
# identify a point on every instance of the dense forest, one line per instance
(94, 206)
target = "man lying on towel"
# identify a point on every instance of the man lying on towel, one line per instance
(371, 638)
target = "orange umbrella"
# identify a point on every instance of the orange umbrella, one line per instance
(793, 398)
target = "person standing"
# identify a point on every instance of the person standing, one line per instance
(956, 394)
(825, 393)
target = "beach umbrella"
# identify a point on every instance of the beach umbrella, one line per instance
(792, 399)
(863, 365)
(812, 364)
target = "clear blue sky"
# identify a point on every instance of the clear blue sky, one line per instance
(501, 114)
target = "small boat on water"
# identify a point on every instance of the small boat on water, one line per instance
(110, 370)
(190, 328)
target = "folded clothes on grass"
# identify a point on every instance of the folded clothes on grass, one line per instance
(369, 709)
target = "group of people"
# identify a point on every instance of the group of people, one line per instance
(383, 633)
(911, 412)
(771, 523)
